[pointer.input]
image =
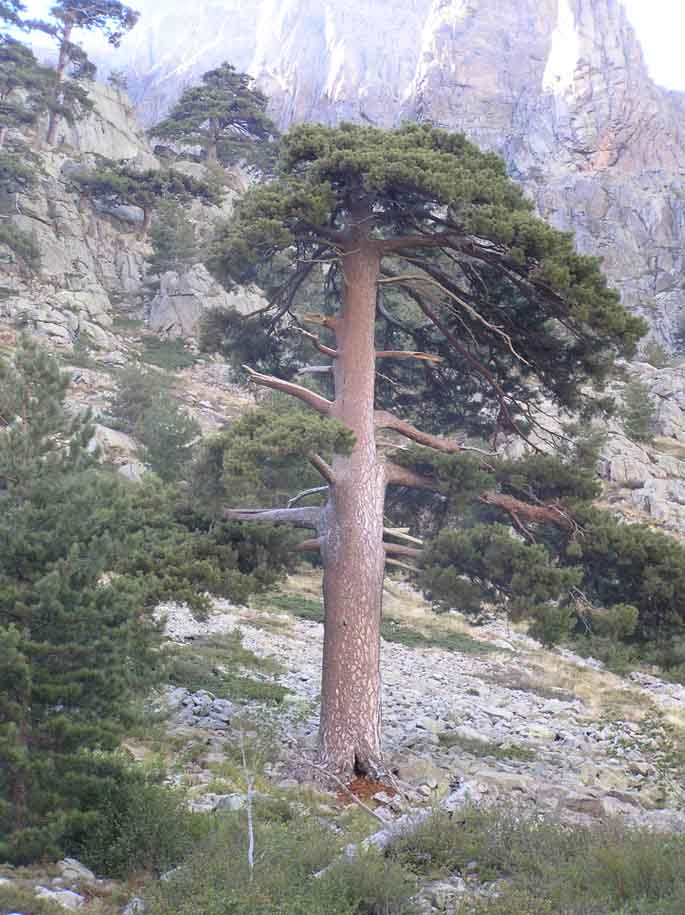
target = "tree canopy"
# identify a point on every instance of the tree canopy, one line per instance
(225, 114)
(468, 270)
(119, 183)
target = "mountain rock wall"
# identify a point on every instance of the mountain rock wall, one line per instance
(558, 87)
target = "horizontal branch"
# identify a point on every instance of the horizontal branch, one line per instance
(399, 549)
(550, 513)
(288, 387)
(315, 369)
(408, 354)
(314, 490)
(401, 565)
(401, 533)
(386, 420)
(306, 516)
(398, 475)
(308, 546)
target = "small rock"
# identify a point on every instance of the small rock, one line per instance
(135, 907)
(592, 806)
(71, 869)
(64, 898)
(230, 802)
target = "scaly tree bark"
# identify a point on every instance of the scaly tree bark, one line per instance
(357, 211)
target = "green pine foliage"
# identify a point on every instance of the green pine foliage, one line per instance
(75, 648)
(172, 237)
(168, 434)
(18, 174)
(639, 412)
(419, 179)
(470, 274)
(225, 114)
(84, 559)
(115, 183)
(263, 457)
(24, 85)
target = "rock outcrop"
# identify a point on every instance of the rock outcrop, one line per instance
(182, 300)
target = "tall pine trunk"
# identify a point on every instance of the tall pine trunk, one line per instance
(352, 538)
(62, 61)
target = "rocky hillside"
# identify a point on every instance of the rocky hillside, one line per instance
(558, 87)
(472, 714)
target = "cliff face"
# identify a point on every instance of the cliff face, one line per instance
(558, 87)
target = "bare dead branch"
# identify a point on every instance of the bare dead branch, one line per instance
(306, 516)
(249, 780)
(312, 399)
(321, 320)
(315, 369)
(468, 308)
(399, 549)
(408, 354)
(314, 490)
(341, 784)
(401, 533)
(547, 513)
(401, 565)
(386, 420)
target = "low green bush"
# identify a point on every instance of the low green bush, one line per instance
(216, 880)
(139, 825)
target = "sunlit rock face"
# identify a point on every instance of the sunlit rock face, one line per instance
(558, 87)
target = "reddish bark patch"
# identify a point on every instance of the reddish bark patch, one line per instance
(364, 788)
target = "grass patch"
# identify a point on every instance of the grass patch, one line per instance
(221, 665)
(302, 607)
(475, 747)
(391, 630)
(217, 881)
(549, 867)
(170, 355)
(516, 680)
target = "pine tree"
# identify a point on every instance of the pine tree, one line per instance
(119, 183)
(24, 86)
(172, 236)
(109, 17)
(225, 115)
(74, 649)
(519, 315)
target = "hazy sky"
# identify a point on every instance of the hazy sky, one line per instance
(660, 25)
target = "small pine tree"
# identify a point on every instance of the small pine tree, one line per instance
(118, 183)
(172, 236)
(639, 412)
(74, 650)
(109, 17)
(168, 434)
(225, 114)
(24, 86)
